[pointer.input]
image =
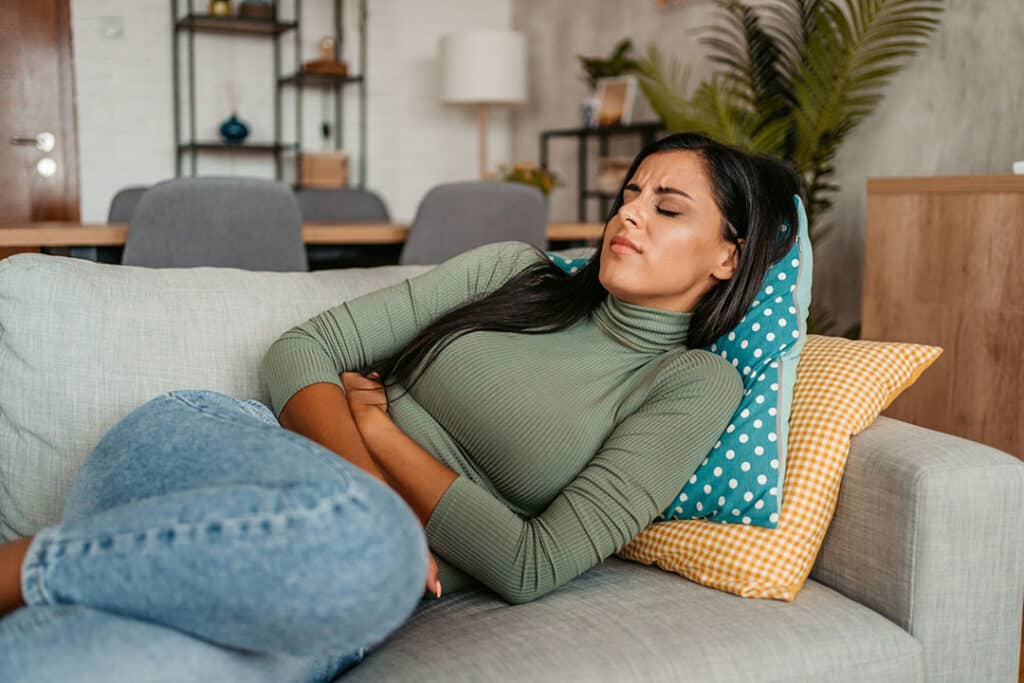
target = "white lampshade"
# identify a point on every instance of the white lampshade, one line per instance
(483, 66)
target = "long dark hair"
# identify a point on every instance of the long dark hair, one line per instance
(755, 196)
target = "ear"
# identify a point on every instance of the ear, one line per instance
(727, 268)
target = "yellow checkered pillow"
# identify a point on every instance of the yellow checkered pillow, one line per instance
(841, 387)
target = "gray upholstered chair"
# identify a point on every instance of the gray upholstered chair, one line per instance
(455, 217)
(341, 205)
(122, 206)
(232, 222)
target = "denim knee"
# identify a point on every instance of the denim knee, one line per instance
(392, 581)
(305, 569)
(367, 571)
(205, 399)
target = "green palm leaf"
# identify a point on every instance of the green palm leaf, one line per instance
(848, 60)
(755, 70)
(793, 78)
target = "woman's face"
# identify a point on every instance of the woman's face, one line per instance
(669, 213)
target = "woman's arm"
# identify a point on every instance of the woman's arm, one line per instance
(379, 324)
(321, 412)
(419, 477)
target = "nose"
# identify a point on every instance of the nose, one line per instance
(632, 212)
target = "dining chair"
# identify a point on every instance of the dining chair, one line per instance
(342, 205)
(120, 211)
(122, 206)
(233, 222)
(455, 217)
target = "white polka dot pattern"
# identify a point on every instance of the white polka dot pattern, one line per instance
(756, 435)
(841, 387)
(568, 265)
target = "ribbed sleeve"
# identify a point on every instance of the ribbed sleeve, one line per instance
(380, 323)
(634, 475)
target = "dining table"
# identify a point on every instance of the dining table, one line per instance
(81, 239)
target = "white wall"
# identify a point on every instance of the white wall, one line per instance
(414, 141)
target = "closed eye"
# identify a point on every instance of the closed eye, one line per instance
(663, 212)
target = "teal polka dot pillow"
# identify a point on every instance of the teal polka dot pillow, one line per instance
(569, 265)
(740, 481)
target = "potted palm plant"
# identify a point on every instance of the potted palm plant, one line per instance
(793, 79)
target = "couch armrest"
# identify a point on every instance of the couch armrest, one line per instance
(929, 532)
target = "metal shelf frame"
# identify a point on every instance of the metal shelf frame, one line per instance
(646, 130)
(191, 23)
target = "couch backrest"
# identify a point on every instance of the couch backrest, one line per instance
(82, 344)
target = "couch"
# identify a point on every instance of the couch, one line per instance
(920, 577)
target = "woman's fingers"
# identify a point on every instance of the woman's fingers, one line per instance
(354, 379)
(433, 584)
(362, 391)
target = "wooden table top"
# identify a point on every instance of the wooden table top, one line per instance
(1005, 183)
(69, 234)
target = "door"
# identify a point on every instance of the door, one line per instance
(38, 137)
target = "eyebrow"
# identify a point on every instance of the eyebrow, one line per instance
(661, 189)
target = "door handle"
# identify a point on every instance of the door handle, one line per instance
(44, 142)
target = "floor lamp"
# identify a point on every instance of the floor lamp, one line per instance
(483, 67)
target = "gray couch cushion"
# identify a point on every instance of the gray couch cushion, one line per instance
(623, 621)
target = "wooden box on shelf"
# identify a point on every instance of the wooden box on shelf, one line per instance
(257, 10)
(325, 66)
(319, 169)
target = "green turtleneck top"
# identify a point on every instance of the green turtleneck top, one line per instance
(567, 444)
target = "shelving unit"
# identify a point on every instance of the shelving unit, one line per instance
(646, 130)
(190, 23)
(213, 23)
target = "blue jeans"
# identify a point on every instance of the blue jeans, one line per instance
(201, 541)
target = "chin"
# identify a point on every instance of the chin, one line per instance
(611, 287)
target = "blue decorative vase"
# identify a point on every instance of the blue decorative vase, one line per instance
(233, 130)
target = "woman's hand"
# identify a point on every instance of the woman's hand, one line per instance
(365, 395)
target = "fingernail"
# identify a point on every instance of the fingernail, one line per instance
(439, 589)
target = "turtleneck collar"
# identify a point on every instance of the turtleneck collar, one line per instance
(652, 330)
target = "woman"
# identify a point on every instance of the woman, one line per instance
(516, 457)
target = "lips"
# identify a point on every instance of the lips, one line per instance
(619, 239)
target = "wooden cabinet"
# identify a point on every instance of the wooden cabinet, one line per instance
(944, 265)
